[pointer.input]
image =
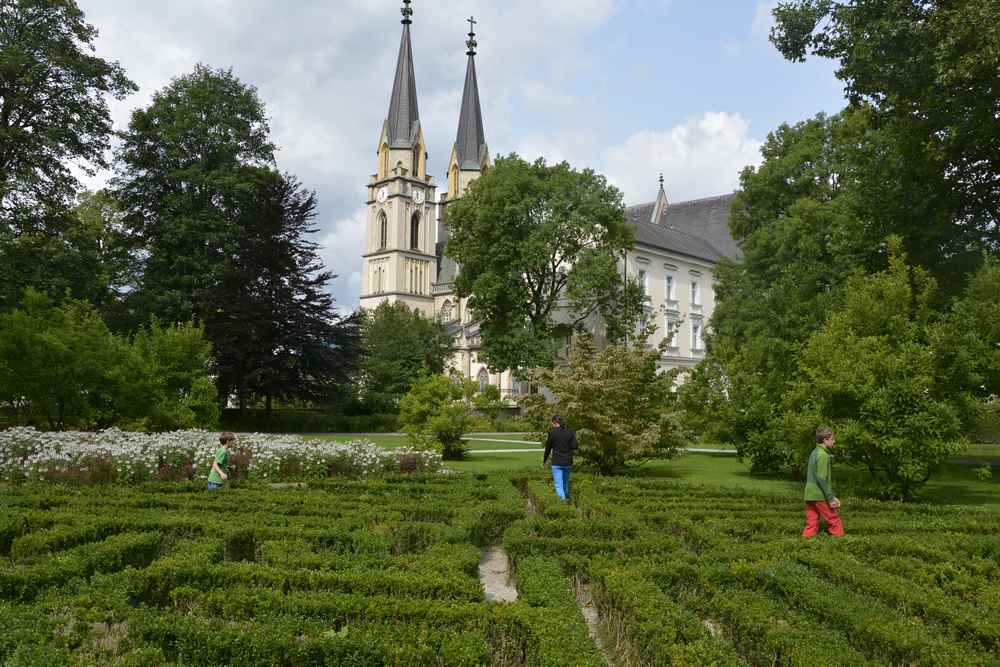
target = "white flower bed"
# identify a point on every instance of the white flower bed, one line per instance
(31, 454)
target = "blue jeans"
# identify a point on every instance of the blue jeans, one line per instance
(212, 486)
(560, 475)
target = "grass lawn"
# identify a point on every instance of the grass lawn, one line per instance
(395, 441)
(954, 484)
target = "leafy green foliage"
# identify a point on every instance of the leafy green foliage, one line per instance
(872, 371)
(528, 236)
(436, 412)
(61, 366)
(53, 114)
(620, 405)
(183, 169)
(930, 72)
(399, 346)
(54, 109)
(812, 216)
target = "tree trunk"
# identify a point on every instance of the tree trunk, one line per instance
(267, 405)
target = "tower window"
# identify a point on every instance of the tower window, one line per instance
(415, 232)
(383, 231)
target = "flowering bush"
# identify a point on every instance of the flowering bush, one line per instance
(123, 456)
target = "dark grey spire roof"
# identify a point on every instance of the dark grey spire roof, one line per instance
(404, 118)
(471, 141)
(697, 228)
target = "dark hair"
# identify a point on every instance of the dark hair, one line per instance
(556, 419)
(822, 433)
(226, 437)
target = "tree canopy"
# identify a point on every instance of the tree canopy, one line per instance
(270, 317)
(930, 74)
(539, 248)
(53, 106)
(399, 346)
(183, 168)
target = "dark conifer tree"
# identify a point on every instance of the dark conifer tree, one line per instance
(275, 329)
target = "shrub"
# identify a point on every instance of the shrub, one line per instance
(436, 413)
(621, 406)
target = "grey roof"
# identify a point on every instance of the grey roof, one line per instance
(403, 122)
(470, 143)
(698, 228)
(447, 268)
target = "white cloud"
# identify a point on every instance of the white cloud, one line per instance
(341, 250)
(700, 158)
(324, 70)
(763, 20)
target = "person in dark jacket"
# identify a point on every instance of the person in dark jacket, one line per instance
(561, 443)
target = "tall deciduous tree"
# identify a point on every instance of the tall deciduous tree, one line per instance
(270, 317)
(930, 73)
(399, 346)
(53, 105)
(539, 248)
(182, 169)
(53, 115)
(83, 254)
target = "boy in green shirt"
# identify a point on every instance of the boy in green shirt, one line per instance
(819, 497)
(220, 465)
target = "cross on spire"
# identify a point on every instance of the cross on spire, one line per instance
(472, 44)
(661, 180)
(407, 12)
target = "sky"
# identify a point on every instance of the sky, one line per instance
(629, 88)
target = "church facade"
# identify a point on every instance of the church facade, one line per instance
(677, 245)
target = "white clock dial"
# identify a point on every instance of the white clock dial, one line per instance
(418, 196)
(382, 195)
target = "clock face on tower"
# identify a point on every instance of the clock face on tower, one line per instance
(418, 197)
(381, 195)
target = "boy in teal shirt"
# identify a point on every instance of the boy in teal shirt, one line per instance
(820, 499)
(220, 464)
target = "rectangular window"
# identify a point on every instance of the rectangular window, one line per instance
(671, 296)
(670, 330)
(644, 282)
(696, 335)
(695, 293)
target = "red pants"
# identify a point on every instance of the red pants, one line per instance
(820, 508)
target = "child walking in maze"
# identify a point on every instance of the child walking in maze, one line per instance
(821, 503)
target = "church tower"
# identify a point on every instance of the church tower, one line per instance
(470, 157)
(399, 260)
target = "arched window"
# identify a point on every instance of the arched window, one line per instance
(446, 315)
(383, 230)
(484, 380)
(415, 232)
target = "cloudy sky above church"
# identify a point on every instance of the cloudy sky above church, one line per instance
(630, 88)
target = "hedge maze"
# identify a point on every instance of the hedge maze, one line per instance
(385, 572)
